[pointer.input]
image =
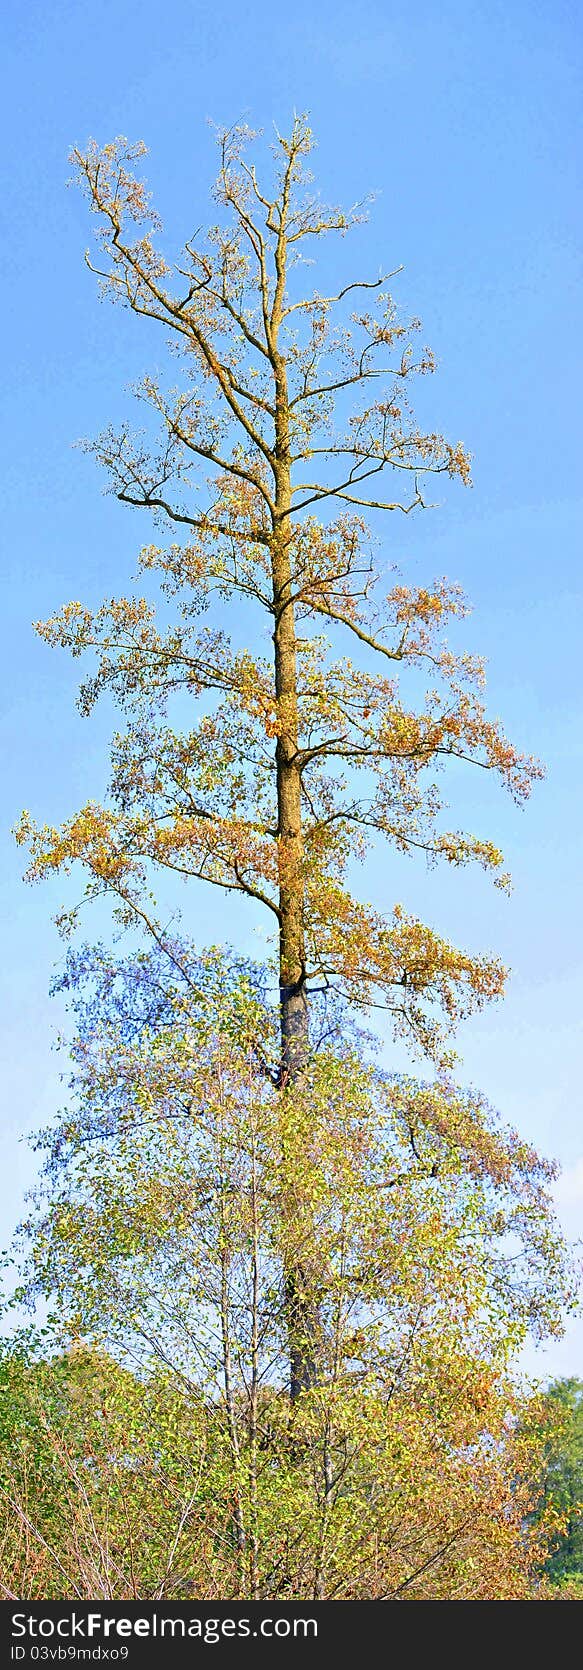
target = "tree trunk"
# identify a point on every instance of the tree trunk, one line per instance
(301, 1296)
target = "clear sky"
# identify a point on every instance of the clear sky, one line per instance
(465, 117)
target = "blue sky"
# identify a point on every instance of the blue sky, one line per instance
(465, 119)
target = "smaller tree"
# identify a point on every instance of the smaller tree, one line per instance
(114, 1487)
(563, 1482)
(99, 1479)
(165, 1240)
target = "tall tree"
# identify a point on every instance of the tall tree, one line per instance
(293, 407)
